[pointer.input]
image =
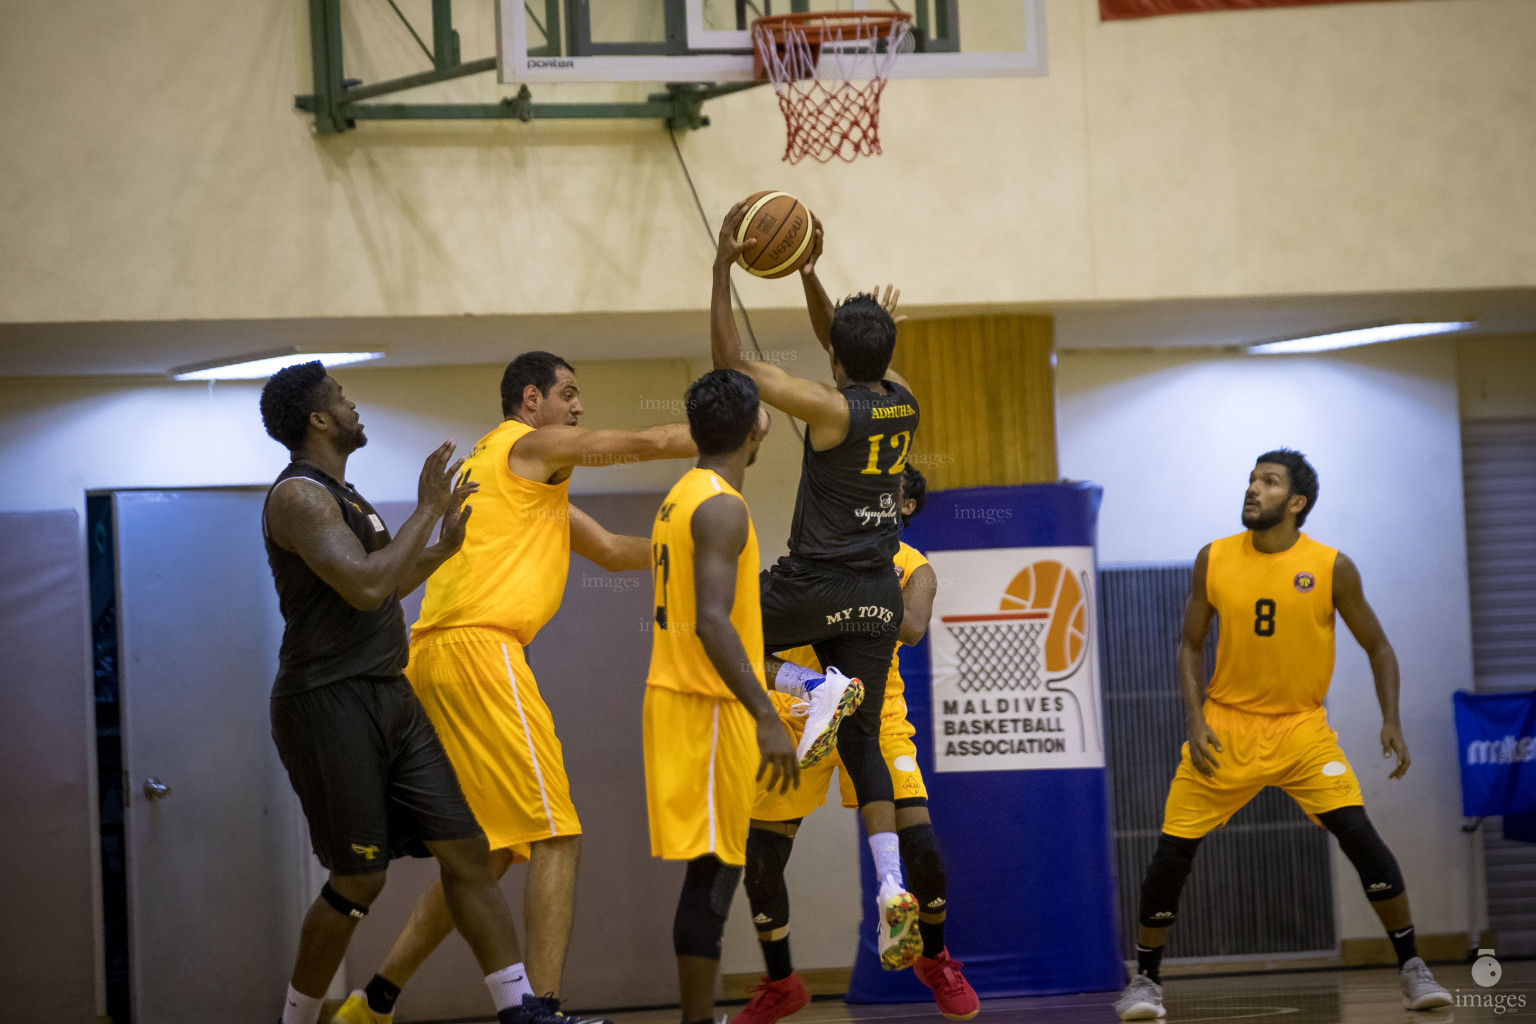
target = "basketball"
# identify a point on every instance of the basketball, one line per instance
(782, 228)
(1050, 586)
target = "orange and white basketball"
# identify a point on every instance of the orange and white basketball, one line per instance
(782, 230)
(1048, 585)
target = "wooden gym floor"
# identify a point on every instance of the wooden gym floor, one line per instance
(1363, 996)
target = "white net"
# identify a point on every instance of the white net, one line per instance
(813, 65)
(999, 656)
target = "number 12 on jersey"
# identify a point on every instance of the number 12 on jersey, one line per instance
(902, 440)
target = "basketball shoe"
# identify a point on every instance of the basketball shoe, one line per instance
(951, 992)
(357, 1011)
(1420, 989)
(774, 1000)
(899, 942)
(1141, 1000)
(824, 710)
(546, 1010)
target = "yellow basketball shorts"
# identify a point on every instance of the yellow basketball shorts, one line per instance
(484, 702)
(700, 775)
(896, 747)
(1299, 753)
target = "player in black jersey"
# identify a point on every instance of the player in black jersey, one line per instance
(835, 589)
(370, 773)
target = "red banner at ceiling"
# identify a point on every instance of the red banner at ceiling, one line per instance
(1110, 10)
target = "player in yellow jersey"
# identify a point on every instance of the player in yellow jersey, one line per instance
(710, 728)
(481, 609)
(1262, 723)
(777, 816)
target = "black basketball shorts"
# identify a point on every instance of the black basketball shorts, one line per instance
(370, 773)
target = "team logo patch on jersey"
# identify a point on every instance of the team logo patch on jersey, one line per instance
(1304, 582)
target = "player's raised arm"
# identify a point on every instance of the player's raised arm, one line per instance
(561, 447)
(1198, 614)
(819, 405)
(305, 519)
(1360, 617)
(613, 551)
(817, 302)
(719, 529)
(917, 604)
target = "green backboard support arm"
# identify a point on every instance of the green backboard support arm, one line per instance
(338, 102)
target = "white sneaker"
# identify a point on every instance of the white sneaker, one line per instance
(824, 710)
(1141, 1000)
(899, 942)
(1420, 989)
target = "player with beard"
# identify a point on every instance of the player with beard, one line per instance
(1275, 591)
(369, 771)
(836, 590)
(468, 662)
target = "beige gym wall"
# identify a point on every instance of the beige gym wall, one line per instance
(154, 168)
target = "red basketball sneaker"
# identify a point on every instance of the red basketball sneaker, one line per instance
(953, 994)
(775, 1000)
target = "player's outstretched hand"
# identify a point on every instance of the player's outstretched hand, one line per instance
(729, 248)
(1202, 736)
(1393, 745)
(889, 300)
(435, 488)
(808, 268)
(777, 755)
(456, 519)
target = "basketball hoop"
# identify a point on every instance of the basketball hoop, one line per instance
(826, 114)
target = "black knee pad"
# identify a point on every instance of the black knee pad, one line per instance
(925, 866)
(341, 904)
(1379, 874)
(703, 906)
(1164, 881)
(767, 853)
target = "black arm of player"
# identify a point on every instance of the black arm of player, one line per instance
(817, 302)
(449, 539)
(1360, 617)
(917, 604)
(821, 406)
(1198, 614)
(305, 519)
(719, 528)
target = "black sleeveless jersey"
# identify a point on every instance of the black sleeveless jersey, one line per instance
(845, 510)
(325, 639)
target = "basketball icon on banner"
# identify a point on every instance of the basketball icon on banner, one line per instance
(1015, 685)
(1049, 585)
(1039, 631)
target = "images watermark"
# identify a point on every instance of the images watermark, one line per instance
(1486, 972)
(988, 515)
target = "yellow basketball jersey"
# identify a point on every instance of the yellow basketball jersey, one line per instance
(678, 660)
(1274, 652)
(908, 560)
(510, 573)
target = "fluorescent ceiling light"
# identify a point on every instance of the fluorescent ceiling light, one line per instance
(259, 365)
(1360, 336)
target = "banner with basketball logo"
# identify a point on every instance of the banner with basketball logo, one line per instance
(1015, 678)
(1006, 683)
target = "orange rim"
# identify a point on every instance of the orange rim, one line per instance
(814, 23)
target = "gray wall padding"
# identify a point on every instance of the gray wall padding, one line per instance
(47, 930)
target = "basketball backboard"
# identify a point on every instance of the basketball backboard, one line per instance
(710, 40)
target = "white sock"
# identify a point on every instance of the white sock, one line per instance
(508, 986)
(797, 680)
(299, 1008)
(887, 850)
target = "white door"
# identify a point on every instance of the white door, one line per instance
(215, 862)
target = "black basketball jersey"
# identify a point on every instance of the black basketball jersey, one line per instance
(325, 639)
(845, 510)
